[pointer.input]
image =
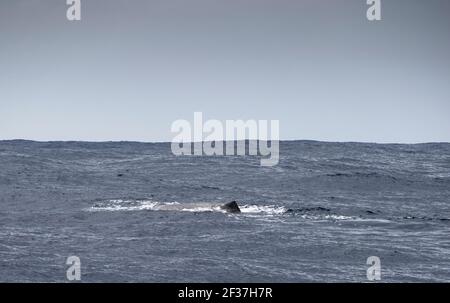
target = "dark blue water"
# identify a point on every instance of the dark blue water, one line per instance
(316, 216)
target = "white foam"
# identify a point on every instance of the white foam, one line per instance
(124, 205)
(265, 209)
(326, 217)
(172, 203)
(200, 209)
(338, 217)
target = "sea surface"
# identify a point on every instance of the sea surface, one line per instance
(134, 212)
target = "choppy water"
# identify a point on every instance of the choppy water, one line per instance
(126, 210)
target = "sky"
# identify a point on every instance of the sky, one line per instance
(129, 69)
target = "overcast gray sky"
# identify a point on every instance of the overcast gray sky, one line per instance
(128, 69)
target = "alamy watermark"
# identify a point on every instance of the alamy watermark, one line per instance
(235, 137)
(374, 10)
(374, 271)
(73, 273)
(74, 11)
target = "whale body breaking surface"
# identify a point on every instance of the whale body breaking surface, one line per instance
(230, 207)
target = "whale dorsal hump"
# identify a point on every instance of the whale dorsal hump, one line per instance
(231, 207)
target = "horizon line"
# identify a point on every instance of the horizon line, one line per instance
(190, 142)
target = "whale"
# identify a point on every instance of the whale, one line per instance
(229, 207)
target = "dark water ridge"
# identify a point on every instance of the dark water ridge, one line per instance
(135, 212)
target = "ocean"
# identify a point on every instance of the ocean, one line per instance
(134, 212)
